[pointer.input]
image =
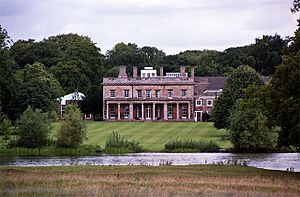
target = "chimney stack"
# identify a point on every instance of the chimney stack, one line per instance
(182, 71)
(122, 72)
(192, 71)
(134, 72)
(161, 71)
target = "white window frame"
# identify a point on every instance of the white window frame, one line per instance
(126, 93)
(112, 112)
(184, 111)
(148, 93)
(157, 93)
(199, 101)
(139, 93)
(112, 93)
(212, 102)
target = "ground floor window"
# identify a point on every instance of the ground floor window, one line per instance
(112, 112)
(157, 112)
(184, 111)
(170, 111)
(139, 112)
(126, 111)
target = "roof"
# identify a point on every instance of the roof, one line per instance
(72, 96)
(148, 81)
(216, 83)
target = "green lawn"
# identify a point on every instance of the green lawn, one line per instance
(154, 135)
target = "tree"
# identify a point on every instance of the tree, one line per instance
(239, 79)
(81, 64)
(6, 70)
(284, 95)
(33, 86)
(72, 131)
(296, 6)
(93, 102)
(248, 124)
(33, 129)
(28, 52)
(267, 52)
(5, 129)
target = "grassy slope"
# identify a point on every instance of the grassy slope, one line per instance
(153, 135)
(147, 181)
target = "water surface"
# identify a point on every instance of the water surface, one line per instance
(273, 161)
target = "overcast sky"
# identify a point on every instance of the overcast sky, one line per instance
(169, 25)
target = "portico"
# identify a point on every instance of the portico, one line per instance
(148, 111)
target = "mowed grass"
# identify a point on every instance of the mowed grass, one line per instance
(198, 180)
(154, 135)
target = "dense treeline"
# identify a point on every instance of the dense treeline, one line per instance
(35, 73)
(252, 111)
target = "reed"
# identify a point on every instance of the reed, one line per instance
(117, 144)
(179, 145)
(199, 180)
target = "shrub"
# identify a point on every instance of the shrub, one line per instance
(72, 130)
(33, 129)
(116, 144)
(178, 145)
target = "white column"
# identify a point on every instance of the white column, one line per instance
(107, 111)
(165, 111)
(189, 111)
(131, 111)
(142, 111)
(153, 111)
(119, 112)
(177, 111)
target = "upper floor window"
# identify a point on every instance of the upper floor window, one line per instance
(210, 102)
(170, 93)
(139, 93)
(198, 102)
(112, 93)
(183, 93)
(157, 93)
(126, 93)
(148, 93)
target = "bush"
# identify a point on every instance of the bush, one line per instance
(178, 145)
(116, 144)
(33, 129)
(72, 130)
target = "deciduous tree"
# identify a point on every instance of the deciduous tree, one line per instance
(33, 129)
(240, 79)
(72, 131)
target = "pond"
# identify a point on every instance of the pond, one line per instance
(271, 161)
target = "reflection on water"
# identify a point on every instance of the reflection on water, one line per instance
(274, 161)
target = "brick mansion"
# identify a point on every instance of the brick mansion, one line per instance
(167, 97)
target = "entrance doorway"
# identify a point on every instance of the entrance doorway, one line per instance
(198, 116)
(148, 112)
